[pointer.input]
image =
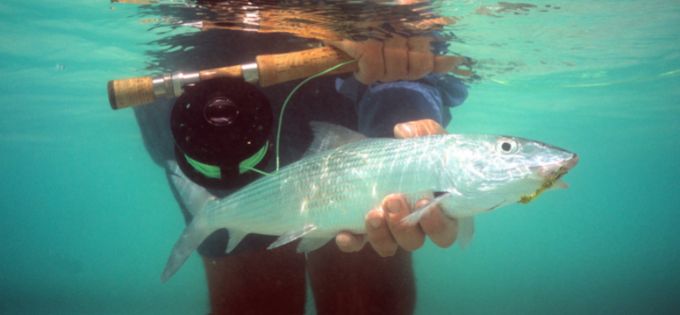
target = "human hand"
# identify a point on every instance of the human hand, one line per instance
(396, 58)
(384, 229)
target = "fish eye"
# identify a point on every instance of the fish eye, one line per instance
(506, 145)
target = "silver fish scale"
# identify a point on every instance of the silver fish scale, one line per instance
(334, 189)
(327, 192)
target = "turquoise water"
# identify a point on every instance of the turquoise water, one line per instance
(88, 218)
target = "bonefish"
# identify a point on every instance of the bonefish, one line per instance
(345, 174)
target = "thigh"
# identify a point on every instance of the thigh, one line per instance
(361, 283)
(257, 281)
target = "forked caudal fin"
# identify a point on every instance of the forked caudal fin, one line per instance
(191, 238)
(193, 197)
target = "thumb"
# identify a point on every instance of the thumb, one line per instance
(418, 128)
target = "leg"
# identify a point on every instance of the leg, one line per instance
(257, 281)
(361, 283)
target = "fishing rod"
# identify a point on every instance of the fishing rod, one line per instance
(267, 70)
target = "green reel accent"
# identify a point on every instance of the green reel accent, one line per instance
(213, 171)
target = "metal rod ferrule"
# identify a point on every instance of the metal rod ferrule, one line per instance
(170, 85)
(180, 79)
(250, 72)
(162, 86)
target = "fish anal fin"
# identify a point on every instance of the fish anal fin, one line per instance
(291, 236)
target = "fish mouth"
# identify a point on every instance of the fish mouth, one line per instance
(551, 178)
(570, 163)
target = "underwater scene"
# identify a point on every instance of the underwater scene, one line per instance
(90, 214)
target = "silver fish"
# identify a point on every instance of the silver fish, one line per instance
(346, 174)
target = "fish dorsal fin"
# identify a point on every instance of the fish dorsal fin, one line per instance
(330, 136)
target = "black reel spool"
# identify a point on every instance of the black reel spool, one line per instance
(220, 125)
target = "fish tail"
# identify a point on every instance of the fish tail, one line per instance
(192, 236)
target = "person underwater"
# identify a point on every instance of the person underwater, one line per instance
(401, 89)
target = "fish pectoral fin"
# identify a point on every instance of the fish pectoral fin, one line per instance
(466, 229)
(414, 218)
(292, 236)
(311, 243)
(235, 237)
(560, 184)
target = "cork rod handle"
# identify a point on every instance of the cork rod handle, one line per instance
(130, 92)
(275, 69)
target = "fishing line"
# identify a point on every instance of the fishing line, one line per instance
(283, 109)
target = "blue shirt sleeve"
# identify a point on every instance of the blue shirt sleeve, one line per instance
(383, 105)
